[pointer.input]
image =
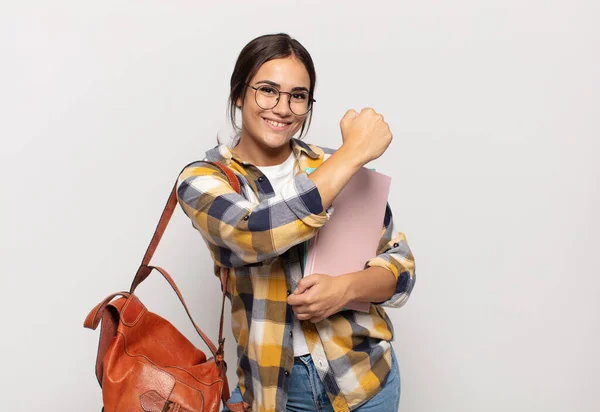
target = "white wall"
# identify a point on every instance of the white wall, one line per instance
(495, 112)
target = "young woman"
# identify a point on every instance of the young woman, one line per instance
(297, 350)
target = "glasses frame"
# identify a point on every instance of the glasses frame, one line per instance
(310, 101)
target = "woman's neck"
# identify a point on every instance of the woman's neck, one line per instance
(260, 155)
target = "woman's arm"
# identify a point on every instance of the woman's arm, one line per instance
(241, 232)
(394, 255)
(387, 280)
(374, 284)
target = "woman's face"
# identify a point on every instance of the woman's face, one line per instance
(273, 128)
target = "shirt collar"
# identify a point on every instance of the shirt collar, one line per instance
(223, 152)
(299, 146)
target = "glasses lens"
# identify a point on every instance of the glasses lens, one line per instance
(267, 97)
(299, 103)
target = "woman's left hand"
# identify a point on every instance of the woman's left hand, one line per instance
(319, 296)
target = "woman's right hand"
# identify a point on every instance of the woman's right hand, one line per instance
(366, 135)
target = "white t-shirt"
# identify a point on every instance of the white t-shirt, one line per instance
(278, 176)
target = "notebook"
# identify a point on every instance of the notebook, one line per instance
(351, 236)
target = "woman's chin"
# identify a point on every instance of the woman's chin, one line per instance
(274, 142)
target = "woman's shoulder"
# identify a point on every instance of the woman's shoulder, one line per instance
(207, 164)
(199, 167)
(202, 173)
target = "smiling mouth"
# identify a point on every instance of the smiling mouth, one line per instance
(278, 125)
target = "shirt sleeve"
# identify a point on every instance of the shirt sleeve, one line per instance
(395, 255)
(239, 232)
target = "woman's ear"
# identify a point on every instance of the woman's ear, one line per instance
(238, 103)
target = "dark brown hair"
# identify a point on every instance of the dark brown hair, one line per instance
(255, 54)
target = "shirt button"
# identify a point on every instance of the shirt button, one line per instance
(291, 333)
(260, 179)
(286, 373)
(246, 217)
(396, 244)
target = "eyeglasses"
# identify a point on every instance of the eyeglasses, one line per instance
(267, 97)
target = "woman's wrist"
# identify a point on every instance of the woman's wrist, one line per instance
(374, 284)
(351, 157)
(334, 173)
(345, 289)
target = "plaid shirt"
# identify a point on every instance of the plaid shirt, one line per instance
(260, 235)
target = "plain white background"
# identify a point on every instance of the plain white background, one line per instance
(495, 112)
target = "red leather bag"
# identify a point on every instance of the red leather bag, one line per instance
(144, 363)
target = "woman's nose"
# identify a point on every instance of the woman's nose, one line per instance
(282, 108)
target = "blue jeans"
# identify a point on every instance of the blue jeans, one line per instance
(307, 393)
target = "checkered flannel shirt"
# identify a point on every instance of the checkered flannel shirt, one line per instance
(259, 235)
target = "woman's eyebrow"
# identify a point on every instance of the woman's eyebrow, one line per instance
(271, 83)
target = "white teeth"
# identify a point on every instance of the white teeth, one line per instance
(276, 124)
